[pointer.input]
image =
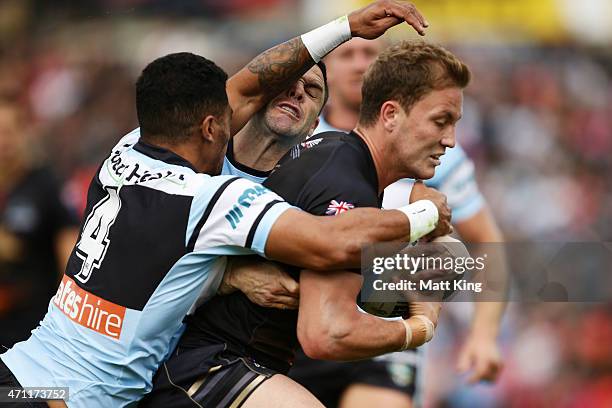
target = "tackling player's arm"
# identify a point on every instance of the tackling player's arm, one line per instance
(327, 243)
(480, 352)
(476, 225)
(271, 71)
(331, 328)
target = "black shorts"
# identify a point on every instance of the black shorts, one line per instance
(327, 380)
(205, 377)
(8, 380)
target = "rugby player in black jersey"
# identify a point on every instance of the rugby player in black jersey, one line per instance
(231, 344)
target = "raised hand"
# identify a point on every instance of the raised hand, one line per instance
(374, 19)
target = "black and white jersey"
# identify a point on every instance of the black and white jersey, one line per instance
(152, 246)
(324, 176)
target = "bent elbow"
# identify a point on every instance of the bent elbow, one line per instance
(325, 343)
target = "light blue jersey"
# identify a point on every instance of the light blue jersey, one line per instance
(454, 177)
(151, 249)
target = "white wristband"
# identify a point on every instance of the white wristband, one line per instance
(423, 216)
(429, 326)
(320, 41)
(408, 338)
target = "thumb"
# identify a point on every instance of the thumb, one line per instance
(290, 285)
(417, 189)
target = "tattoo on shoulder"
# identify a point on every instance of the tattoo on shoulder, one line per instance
(281, 64)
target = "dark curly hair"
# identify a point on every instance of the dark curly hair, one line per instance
(175, 92)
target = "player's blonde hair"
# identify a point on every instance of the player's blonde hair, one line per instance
(406, 72)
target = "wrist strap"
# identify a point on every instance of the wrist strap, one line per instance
(408, 338)
(423, 216)
(322, 40)
(429, 326)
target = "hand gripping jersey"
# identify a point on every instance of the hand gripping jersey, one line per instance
(151, 248)
(454, 177)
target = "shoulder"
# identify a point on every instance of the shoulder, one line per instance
(335, 149)
(333, 169)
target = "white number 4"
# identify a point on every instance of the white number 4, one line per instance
(93, 244)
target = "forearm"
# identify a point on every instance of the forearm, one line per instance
(487, 318)
(482, 229)
(277, 68)
(331, 328)
(273, 70)
(309, 245)
(352, 336)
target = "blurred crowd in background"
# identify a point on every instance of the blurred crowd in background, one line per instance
(537, 122)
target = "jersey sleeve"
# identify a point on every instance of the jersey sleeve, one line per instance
(235, 217)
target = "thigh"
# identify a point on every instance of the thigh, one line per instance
(204, 378)
(390, 381)
(281, 392)
(8, 381)
(326, 380)
(366, 396)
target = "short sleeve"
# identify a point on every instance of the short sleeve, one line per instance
(234, 217)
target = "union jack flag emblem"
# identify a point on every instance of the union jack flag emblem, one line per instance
(310, 143)
(338, 207)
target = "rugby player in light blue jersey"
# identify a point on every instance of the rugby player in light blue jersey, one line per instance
(159, 222)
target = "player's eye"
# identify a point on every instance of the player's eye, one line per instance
(313, 92)
(440, 123)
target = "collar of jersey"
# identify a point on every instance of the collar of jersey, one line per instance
(242, 167)
(159, 153)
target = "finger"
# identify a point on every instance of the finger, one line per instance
(403, 13)
(288, 301)
(414, 18)
(496, 369)
(291, 286)
(281, 306)
(463, 363)
(480, 371)
(420, 16)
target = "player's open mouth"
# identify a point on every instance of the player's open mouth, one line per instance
(290, 109)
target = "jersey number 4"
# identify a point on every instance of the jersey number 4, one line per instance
(94, 242)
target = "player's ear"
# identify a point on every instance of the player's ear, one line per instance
(313, 127)
(207, 128)
(389, 113)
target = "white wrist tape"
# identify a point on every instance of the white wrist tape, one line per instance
(423, 216)
(408, 336)
(429, 326)
(320, 41)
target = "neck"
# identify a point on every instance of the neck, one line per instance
(187, 150)
(259, 148)
(341, 116)
(374, 139)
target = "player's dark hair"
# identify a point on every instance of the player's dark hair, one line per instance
(176, 92)
(405, 73)
(323, 69)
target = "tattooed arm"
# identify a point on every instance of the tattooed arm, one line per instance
(277, 68)
(264, 78)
